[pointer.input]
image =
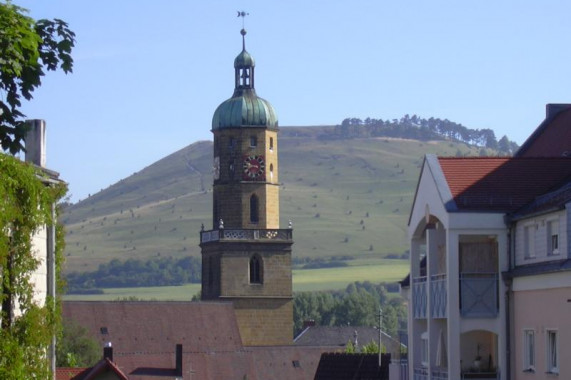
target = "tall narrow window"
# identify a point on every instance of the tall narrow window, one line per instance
(553, 237)
(529, 236)
(424, 349)
(271, 143)
(254, 209)
(552, 353)
(253, 141)
(255, 270)
(210, 271)
(528, 350)
(271, 172)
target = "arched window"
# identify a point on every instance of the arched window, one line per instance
(271, 172)
(254, 209)
(271, 143)
(256, 269)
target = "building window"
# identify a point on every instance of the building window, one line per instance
(529, 350)
(253, 141)
(271, 143)
(424, 349)
(529, 236)
(232, 142)
(255, 270)
(552, 360)
(254, 209)
(271, 172)
(553, 237)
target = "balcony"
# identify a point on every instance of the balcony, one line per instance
(419, 297)
(479, 295)
(277, 235)
(439, 374)
(421, 373)
(438, 296)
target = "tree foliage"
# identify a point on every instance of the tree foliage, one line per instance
(414, 127)
(26, 326)
(357, 305)
(28, 49)
(162, 271)
(76, 348)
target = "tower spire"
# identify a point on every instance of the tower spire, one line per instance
(243, 14)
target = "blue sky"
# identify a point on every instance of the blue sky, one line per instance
(148, 74)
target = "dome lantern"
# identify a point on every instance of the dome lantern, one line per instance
(244, 108)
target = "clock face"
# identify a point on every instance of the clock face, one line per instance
(253, 168)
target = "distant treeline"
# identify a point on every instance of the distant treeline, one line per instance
(320, 262)
(136, 273)
(357, 305)
(414, 127)
(407, 127)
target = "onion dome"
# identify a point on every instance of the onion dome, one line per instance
(244, 108)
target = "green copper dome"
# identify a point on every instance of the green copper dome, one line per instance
(244, 108)
(244, 59)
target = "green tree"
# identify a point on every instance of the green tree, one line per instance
(358, 309)
(76, 348)
(27, 49)
(27, 328)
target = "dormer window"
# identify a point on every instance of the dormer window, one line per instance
(529, 241)
(553, 237)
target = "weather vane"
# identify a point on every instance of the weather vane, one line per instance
(243, 14)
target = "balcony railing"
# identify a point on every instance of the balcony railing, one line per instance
(421, 373)
(419, 297)
(480, 375)
(244, 234)
(479, 295)
(439, 374)
(438, 296)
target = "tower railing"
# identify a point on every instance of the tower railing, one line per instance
(233, 234)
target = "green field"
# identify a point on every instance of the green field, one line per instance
(373, 270)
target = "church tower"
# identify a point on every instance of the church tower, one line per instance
(246, 257)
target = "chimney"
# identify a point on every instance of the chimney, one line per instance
(178, 360)
(36, 142)
(552, 109)
(108, 352)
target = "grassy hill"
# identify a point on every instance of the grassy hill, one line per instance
(347, 197)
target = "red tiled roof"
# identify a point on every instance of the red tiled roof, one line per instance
(67, 373)
(103, 366)
(552, 138)
(144, 336)
(155, 327)
(501, 184)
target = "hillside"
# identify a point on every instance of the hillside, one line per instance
(344, 197)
